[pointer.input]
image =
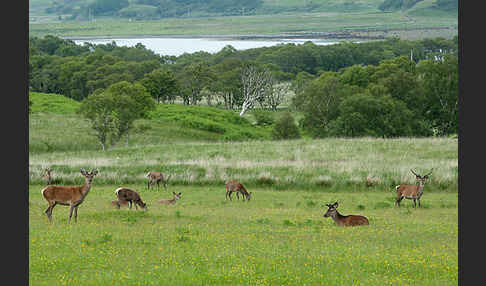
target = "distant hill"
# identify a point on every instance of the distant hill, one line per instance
(442, 5)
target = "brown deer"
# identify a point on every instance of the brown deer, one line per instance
(172, 201)
(128, 196)
(157, 177)
(412, 192)
(344, 220)
(68, 196)
(237, 187)
(48, 177)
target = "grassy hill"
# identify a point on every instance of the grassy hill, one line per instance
(168, 123)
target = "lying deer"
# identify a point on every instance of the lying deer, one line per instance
(172, 201)
(236, 187)
(344, 220)
(127, 196)
(157, 177)
(68, 196)
(412, 192)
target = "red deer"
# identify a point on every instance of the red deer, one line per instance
(344, 220)
(157, 177)
(48, 177)
(128, 196)
(412, 192)
(68, 196)
(237, 187)
(172, 201)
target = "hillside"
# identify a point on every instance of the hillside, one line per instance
(54, 125)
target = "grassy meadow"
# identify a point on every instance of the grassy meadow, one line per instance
(277, 238)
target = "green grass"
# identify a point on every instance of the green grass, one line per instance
(278, 238)
(283, 23)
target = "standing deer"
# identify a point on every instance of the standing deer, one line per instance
(237, 187)
(68, 196)
(344, 220)
(412, 192)
(157, 177)
(48, 177)
(172, 201)
(128, 196)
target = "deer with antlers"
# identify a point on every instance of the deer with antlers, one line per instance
(412, 192)
(237, 187)
(157, 177)
(172, 201)
(68, 196)
(128, 196)
(48, 177)
(344, 220)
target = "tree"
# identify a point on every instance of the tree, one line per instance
(98, 109)
(285, 127)
(161, 84)
(112, 111)
(368, 115)
(319, 102)
(255, 83)
(132, 101)
(194, 78)
(441, 88)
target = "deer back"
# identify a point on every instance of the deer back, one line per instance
(234, 186)
(127, 194)
(408, 190)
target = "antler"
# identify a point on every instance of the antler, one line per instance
(415, 173)
(430, 172)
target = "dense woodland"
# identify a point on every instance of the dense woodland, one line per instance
(385, 88)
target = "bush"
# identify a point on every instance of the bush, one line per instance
(263, 117)
(285, 128)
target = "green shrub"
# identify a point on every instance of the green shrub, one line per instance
(285, 128)
(263, 118)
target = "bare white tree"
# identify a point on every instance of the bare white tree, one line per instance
(255, 84)
(275, 95)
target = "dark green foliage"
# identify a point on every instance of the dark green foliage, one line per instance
(285, 127)
(263, 117)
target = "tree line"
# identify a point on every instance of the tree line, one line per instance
(260, 77)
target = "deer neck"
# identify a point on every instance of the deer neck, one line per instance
(337, 217)
(85, 188)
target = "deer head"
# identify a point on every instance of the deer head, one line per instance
(89, 175)
(422, 178)
(332, 210)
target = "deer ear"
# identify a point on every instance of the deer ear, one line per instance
(335, 205)
(174, 193)
(180, 193)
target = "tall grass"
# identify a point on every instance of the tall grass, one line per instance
(324, 164)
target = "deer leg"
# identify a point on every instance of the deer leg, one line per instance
(49, 210)
(418, 201)
(230, 193)
(130, 204)
(398, 201)
(414, 203)
(237, 196)
(71, 208)
(76, 214)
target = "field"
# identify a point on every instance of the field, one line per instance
(322, 24)
(277, 238)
